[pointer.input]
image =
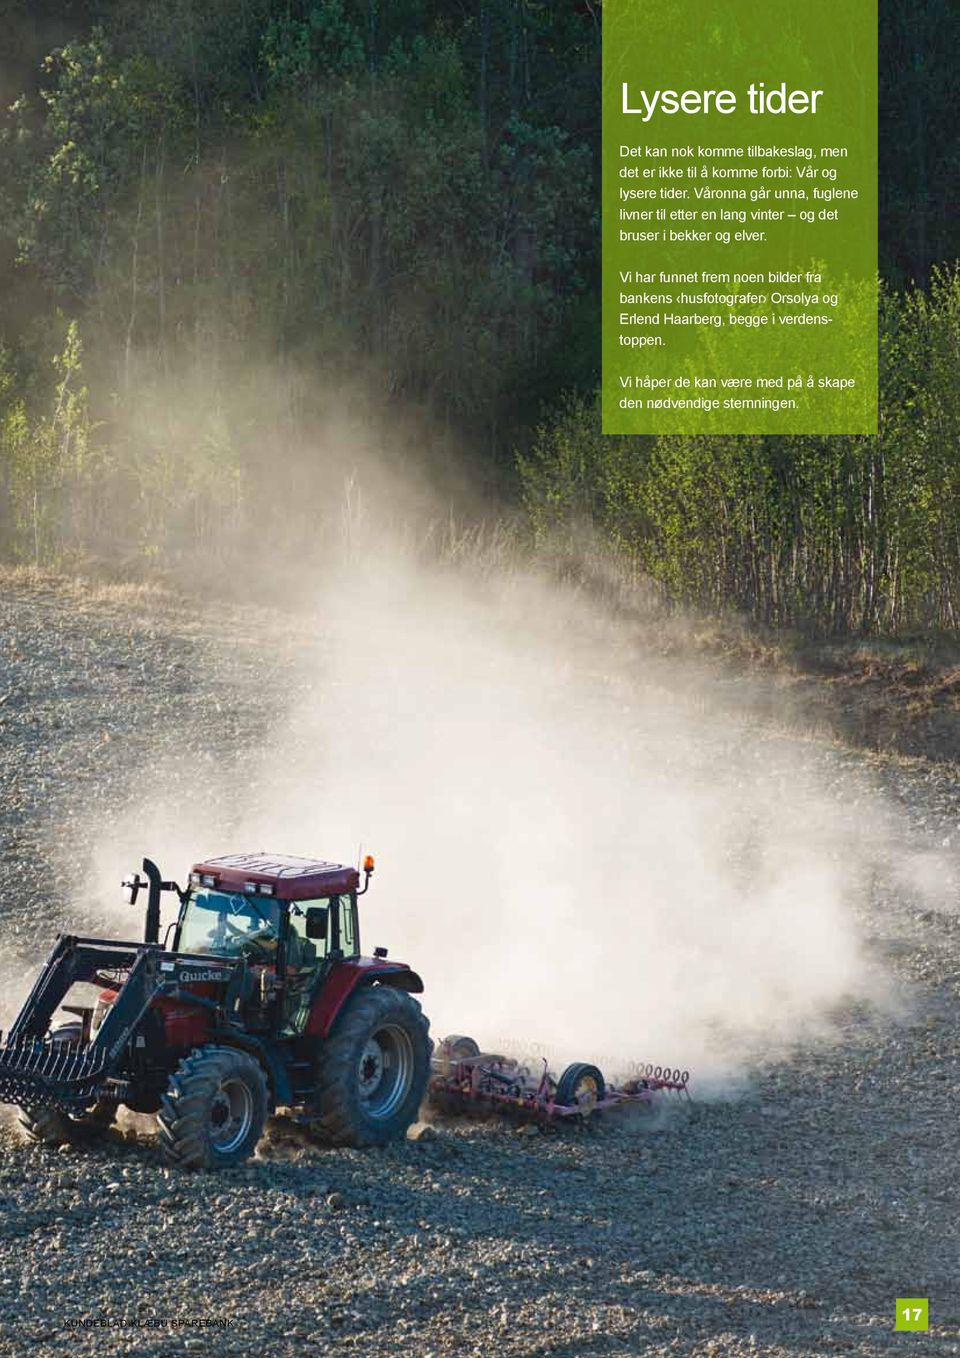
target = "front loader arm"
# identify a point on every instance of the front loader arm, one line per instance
(72, 959)
(34, 1071)
(141, 987)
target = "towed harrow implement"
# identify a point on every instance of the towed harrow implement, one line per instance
(463, 1078)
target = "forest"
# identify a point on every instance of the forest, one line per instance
(229, 225)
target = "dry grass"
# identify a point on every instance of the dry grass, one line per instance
(89, 587)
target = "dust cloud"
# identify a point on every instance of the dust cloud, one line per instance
(576, 845)
(571, 853)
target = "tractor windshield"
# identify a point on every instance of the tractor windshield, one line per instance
(230, 925)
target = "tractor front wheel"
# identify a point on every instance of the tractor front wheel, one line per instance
(50, 1127)
(213, 1112)
(373, 1070)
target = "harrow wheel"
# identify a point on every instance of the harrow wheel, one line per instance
(460, 1048)
(214, 1109)
(50, 1126)
(581, 1085)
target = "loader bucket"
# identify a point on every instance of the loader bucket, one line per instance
(53, 1075)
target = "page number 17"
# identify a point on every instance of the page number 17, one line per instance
(913, 1313)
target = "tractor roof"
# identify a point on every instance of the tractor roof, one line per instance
(292, 879)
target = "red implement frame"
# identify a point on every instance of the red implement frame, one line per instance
(484, 1079)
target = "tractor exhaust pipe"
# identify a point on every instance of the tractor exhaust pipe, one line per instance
(151, 928)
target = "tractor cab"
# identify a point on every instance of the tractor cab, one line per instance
(286, 917)
(289, 911)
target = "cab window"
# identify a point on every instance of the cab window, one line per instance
(304, 953)
(348, 931)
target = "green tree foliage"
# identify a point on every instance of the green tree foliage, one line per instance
(339, 207)
(50, 469)
(71, 166)
(318, 185)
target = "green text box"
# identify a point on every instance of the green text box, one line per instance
(913, 1313)
(775, 332)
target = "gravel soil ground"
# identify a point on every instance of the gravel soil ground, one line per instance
(782, 1224)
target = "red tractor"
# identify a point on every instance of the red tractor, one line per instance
(257, 998)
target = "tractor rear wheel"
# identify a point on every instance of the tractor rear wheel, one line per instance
(373, 1070)
(50, 1126)
(214, 1109)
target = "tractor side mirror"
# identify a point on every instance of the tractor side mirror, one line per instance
(317, 921)
(131, 888)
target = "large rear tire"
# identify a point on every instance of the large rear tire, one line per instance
(372, 1071)
(50, 1126)
(214, 1109)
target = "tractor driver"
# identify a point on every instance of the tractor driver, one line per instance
(249, 929)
